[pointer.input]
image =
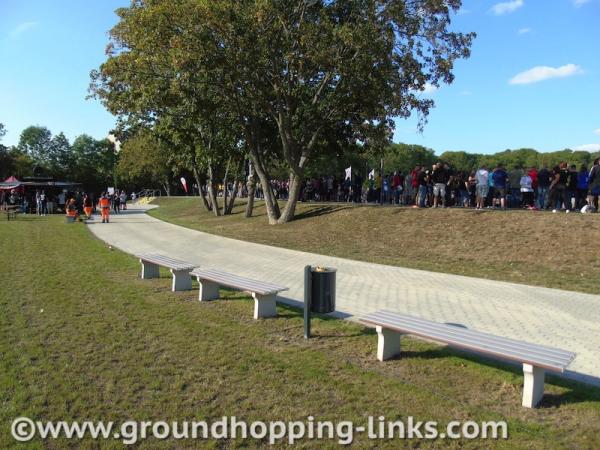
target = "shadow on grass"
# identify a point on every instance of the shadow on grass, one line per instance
(320, 211)
(576, 392)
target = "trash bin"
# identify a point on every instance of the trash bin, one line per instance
(322, 299)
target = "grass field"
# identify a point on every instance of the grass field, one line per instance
(538, 248)
(82, 337)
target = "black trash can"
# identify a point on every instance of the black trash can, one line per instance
(322, 299)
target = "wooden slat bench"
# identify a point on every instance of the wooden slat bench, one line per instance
(264, 294)
(536, 359)
(182, 280)
(11, 211)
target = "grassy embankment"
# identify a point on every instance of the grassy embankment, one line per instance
(538, 248)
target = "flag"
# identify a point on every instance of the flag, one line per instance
(184, 183)
(372, 174)
(349, 172)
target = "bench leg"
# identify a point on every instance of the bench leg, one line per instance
(182, 281)
(149, 270)
(388, 343)
(264, 305)
(208, 290)
(533, 387)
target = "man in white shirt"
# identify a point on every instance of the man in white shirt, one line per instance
(482, 187)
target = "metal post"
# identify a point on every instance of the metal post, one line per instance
(307, 295)
(381, 176)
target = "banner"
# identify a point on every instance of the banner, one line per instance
(184, 183)
(372, 174)
(349, 173)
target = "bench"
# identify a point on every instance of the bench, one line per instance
(180, 270)
(264, 294)
(11, 211)
(536, 359)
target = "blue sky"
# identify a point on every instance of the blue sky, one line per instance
(533, 79)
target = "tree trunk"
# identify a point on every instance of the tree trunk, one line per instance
(225, 191)
(294, 192)
(256, 156)
(251, 185)
(271, 204)
(167, 188)
(231, 202)
(201, 191)
(211, 192)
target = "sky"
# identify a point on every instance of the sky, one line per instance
(533, 78)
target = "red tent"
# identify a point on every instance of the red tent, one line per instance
(10, 183)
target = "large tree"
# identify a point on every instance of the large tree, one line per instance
(35, 141)
(313, 70)
(142, 160)
(93, 163)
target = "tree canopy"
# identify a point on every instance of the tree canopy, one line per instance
(321, 74)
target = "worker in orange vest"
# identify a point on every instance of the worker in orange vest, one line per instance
(104, 207)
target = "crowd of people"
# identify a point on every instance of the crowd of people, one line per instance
(563, 187)
(70, 203)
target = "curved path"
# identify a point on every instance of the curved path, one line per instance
(553, 317)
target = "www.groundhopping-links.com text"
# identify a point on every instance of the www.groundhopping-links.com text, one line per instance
(24, 429)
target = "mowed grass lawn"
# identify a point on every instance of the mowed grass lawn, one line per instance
(538, 248)
(83, 338)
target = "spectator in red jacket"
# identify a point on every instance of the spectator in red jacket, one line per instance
(534, 178)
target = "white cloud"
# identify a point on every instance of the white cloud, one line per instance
(588, 148)
(429, 88)
(20, 29)
(524, 30)
(507, 7)
(541, 73)
(597, 131)
(579, 3)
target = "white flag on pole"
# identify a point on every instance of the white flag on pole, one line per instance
(349, 172)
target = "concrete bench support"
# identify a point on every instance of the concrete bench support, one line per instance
(388, 343)
(182, 281)
(208, 290)
(533, 386)
(264, 305)
(149, 270)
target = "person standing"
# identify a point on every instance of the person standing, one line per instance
(572, 187)
(440, 178)
(543, 179)
(44, 203)
(123, 200)
(38, 202)
(558, 188)
(397, 188)
(87, 206)
(583, 183)
(105, 207)
(62, 199)
(482, 187)
(500, 178)
(526, 184)
(594, 184)
(116, 202)
(423, 180)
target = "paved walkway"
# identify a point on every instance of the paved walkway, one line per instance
(563, 319)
